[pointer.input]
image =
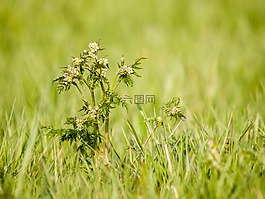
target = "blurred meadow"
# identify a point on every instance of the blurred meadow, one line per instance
(211, 54)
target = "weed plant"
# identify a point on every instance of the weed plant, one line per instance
(88, 73)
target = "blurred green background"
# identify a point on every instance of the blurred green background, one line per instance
(210, 53)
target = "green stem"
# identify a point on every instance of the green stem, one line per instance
(114, 82)
(103, 90)
(92, 93)
(107, 134)
(153, 131)
(106, 121)
(94, 104)
(93, 100)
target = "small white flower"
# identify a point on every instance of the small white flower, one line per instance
(70, 74)
(125, 70)
(93, 47)
(92, 55)
(79, 124)
(77, 61)
(93, 112)
(73, 71)
(159, 119)
(174, 110)
(104, 72)
(129, 70)
(103, 62)
(76, 72)
(68, 79)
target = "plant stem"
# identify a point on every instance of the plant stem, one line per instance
(106, 122)
(92, 93)
(93, 100)
(153, 131)
(107, 135)
(114, 82)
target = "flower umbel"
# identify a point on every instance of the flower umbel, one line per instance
(103, 72)
(94, 47)
(80, 124)
(77, 61)
(70, 74)
(172, 109)
(103, 62)
(73, 71)
(93, 112)
(125, 72)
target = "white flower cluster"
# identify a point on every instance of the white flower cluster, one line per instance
(77, 61)
(159, 119)
(94, 47)
(93, 50)
(92, 55)
(174, 110)
(103, 62)
(93, 112)
(125, 71)
(103, 72)
(80, 123)
(70, 74)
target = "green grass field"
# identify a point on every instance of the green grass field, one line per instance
(211, 54)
